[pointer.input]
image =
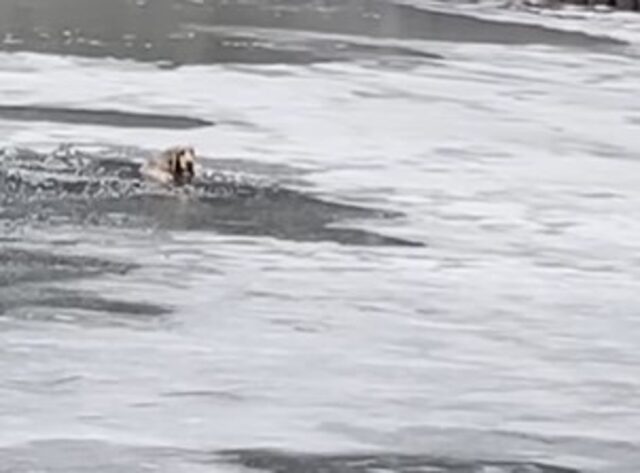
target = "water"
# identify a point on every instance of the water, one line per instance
(412, 245)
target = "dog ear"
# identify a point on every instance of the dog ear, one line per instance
(177, 163)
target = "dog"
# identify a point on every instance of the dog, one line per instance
(173, 166)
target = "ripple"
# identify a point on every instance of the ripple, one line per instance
(114, 118)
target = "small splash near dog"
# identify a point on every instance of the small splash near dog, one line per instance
(105, 186)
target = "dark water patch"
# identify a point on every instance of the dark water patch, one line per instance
(157, 30)
(81, 308)
(94, 303)
(29, 266)
(73, 187)
(26, 277)
(329, 44)
(633, 5)
(380, 19)
(73, 455)
(281, 462)
(113, 118)
(145, 31)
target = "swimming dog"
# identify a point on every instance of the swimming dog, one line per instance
(173, 166)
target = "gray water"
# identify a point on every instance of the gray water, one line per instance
(412, 245)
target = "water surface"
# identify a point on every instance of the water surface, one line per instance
(412, 245)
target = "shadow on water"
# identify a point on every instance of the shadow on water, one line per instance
(73, 187)
(161, 30)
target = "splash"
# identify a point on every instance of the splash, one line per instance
(73, 186)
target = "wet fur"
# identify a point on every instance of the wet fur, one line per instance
(172, 166)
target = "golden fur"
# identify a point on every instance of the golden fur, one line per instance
(173, 166)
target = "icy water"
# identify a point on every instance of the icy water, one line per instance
(412, 245)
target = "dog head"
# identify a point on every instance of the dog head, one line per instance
(181, 164)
